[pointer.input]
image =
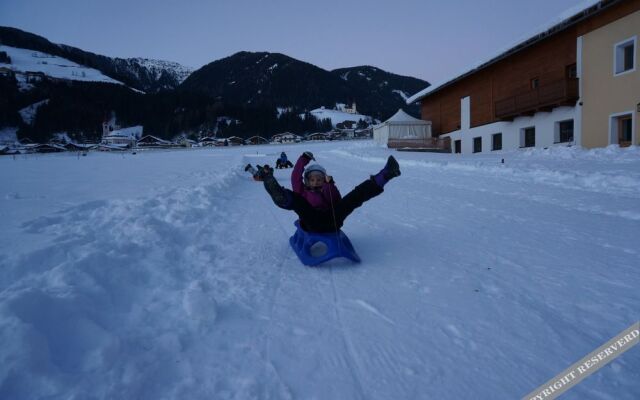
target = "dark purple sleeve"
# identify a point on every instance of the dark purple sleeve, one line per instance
(296, 175)
(331, 193)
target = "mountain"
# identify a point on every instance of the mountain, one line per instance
(142, 74)
(264, 93)
(381, 89)
(267, 78)
(277, 80)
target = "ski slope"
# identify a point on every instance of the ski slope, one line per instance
(168, 275)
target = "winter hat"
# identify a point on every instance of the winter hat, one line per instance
(313, 168)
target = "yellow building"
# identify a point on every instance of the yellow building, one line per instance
(610, 83)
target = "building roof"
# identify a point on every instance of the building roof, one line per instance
(563, 21)
(402, 117)
(154, 139)
(129, 132)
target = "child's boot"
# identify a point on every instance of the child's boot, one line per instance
(250, 169)
(390, 171)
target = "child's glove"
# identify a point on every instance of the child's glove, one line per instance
(309, 155)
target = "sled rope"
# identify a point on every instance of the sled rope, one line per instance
(335, 222)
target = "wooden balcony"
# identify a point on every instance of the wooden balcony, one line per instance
(435, 145)
(563, 92)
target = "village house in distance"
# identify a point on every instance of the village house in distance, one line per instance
(114, 135)
(576, 83)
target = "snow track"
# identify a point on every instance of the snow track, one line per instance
(177, 281)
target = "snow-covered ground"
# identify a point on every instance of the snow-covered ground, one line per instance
(168, 275)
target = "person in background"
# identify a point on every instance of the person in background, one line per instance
(283, 162)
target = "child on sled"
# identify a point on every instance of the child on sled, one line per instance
(283, 161)
(317, 200)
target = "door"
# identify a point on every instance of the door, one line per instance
(624, 131)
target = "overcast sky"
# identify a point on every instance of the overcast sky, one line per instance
(429, 39)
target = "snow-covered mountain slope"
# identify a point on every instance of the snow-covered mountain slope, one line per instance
(25, 60)
(29, 113)
(337, 116)
(377, 82)
(159, 67)
(169, 275)
(142, 74)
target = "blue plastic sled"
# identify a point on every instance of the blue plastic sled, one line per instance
(315, 248)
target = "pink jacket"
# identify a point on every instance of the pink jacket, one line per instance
(322, 198)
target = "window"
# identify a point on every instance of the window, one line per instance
(457, 145)
(621, 129)
(477, 144)
(624, 56)
(535, 82)
(528, 137)
(564, 131)
(496, 141)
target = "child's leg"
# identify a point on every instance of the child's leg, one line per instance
(367, 190)
(355, 198)
(281, 197)
(390, 171)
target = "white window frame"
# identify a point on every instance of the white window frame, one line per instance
(613, 126)
(493, 135)
(617, 59)
(556, 131)
(473, 144)
(523, 137)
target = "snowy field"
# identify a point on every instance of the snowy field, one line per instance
(168, 275)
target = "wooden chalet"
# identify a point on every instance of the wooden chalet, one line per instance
(78, 147)
(257, 140)
(319, 136)
(43, 148)
(4, 150)
(186, 142)
(208, 141)
(153, 141)
(6, 72)
(286, 137)
(34, 76)
(530, 95)
(235, 141)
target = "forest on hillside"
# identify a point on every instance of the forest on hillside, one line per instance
(79, 108)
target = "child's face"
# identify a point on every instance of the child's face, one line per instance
(316, 179)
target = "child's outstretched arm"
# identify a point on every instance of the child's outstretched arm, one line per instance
(297, 183)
